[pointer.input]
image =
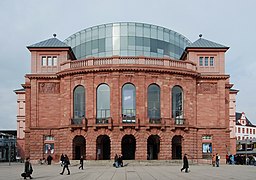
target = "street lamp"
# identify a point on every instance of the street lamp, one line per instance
(246, 148)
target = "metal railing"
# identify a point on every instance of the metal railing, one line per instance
(103, 116)
(129, 115)
(178, 117)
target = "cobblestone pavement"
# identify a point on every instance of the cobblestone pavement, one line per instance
(160, 172)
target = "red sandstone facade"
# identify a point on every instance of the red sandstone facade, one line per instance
(49, 93)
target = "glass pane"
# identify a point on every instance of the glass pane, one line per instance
(153, 32)
(88, 35)
(146, 31)
(102, 32)
(160, 33)
(88, 48)
(116, 43)
(131, 42)
(49, 61)
(108, 44)
(139, 30)
(116, 30)
(124, 31)
(54, 60)
(79, 102)
(177, 102)
(154, 102)
(95, 45)
(44, 62)
(128, 101)
(103, 101)
(124, 43)
(82, 36)
(95, 33)
(102, 45)
(131, 30)
(108, 31)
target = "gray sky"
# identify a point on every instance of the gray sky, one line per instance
(227, 22)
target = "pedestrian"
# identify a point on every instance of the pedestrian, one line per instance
(28, 169)
(185, 163)
(49, 160)
(81, 163)
(120, 160)
(213, 160)
(62, 158)
(217, 160)
(66, 164)
(116, 161)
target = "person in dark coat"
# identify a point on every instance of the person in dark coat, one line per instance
(81, 163)
(66, 163)
(62, 158)
(116, 161)
(49, 160)
(185, 164)
(28, 169)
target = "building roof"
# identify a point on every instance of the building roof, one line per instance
(203, 43)
(18, 90)
(52, 42)
(238, 117)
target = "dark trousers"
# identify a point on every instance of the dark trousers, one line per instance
(65, 166)
(81, 166)
(184, 168)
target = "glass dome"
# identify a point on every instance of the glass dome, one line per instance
(127, 39)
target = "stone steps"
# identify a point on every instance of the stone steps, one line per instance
(128, 162)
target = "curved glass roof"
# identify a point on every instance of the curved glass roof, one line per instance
(127, 39)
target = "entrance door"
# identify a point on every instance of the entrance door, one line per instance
(78, 147)
(176, 147)
(103, 147)
(128, 147)
(153, 147)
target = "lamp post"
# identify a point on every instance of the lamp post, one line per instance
(246, 148)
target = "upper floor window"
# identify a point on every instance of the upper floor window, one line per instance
(201, 63)
(49, 138)
(253, 131)
(238, 129)
(49, 61)
(154, 102)
(79, 103)
(243, 130)
(129, 103)
(103, 103)
(211, 61)
(206, 61)
(177, 104)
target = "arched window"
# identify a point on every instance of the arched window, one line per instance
(154, 113)
(79, 104)
(103, 103)
(177, 104)
(129, 103)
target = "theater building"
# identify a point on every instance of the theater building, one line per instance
(135, 89)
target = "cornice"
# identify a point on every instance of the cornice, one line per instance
(222, 76)
(41, 76)
(127, 68)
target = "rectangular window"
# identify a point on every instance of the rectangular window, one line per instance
(250, 131)
(54, 60)
(49, 148)
(211, 61)
(247, 131)
(49, 60)
(206, 61)
(253, 131)
(200, 61)
(44, 63)
(243, 130)
(238, 129)
(207, 148)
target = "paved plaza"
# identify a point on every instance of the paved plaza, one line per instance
(130, 172)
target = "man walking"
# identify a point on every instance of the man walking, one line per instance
(185, 163)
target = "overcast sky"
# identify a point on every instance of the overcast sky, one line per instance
(228, 22)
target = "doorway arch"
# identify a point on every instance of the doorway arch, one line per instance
(78, 147)
(103, 147)
(177, 147)
(128, 147)
(153, 147)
